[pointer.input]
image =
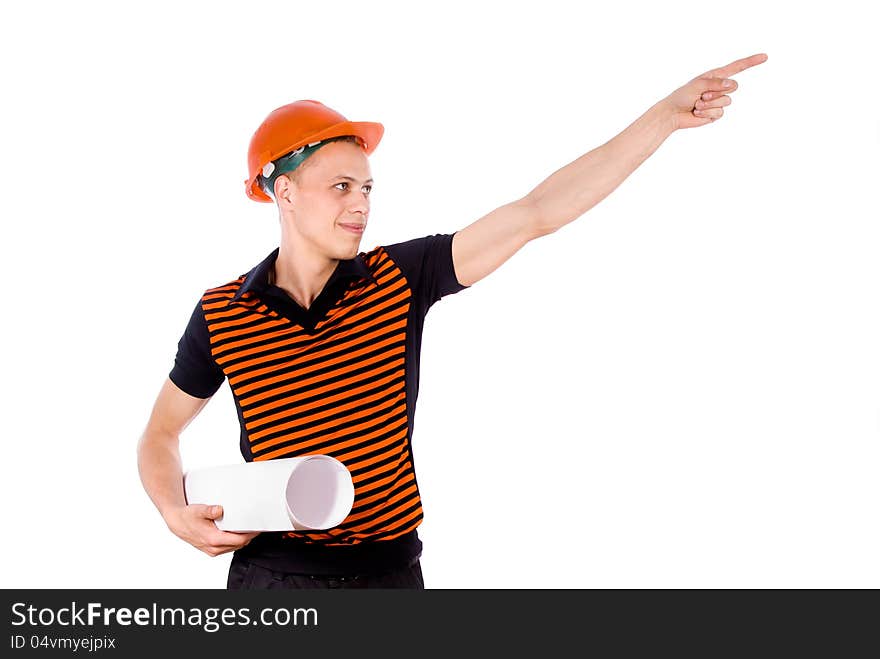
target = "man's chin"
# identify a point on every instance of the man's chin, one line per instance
(347, 252)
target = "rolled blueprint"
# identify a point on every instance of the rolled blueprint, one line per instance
(311, 492)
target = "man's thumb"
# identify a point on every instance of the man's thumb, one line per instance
(214, 511)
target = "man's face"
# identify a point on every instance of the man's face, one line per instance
(332, 189)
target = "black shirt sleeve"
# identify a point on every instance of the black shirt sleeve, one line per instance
(427, 265)
(195, 371)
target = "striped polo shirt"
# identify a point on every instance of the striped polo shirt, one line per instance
(340, 378)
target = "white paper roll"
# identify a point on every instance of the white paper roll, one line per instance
(312, 492)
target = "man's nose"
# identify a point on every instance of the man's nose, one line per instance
(360, 203)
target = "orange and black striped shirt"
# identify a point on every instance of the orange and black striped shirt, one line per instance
(340, 378)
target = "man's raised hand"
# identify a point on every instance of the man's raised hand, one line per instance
(701, 101)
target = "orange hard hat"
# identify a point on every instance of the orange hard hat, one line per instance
(297, 124)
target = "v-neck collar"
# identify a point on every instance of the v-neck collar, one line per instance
(257, 282)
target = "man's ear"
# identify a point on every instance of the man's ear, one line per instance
(283, 188)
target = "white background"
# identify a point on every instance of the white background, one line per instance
(678, 389)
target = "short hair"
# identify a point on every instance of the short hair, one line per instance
(268, 184)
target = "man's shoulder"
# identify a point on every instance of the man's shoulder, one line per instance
(223, 292)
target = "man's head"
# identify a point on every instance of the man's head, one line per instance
(327, 190)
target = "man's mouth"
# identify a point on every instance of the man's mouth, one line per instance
(354, 228)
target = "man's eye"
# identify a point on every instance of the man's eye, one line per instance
(369, 187)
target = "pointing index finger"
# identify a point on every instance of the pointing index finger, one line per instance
(736, 67)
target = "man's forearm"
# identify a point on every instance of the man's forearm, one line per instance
(571, 191)
(161, 473)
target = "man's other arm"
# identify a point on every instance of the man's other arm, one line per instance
(160, 470)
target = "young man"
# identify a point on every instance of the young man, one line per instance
(320, 342)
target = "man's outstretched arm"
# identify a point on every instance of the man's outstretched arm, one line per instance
(571, 191)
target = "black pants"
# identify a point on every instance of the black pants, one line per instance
(244, 575)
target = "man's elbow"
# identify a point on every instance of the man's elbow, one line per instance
(540, 222)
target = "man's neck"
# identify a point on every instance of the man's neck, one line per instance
(301, 275)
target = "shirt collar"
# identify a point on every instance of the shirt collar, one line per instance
(258, 278)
